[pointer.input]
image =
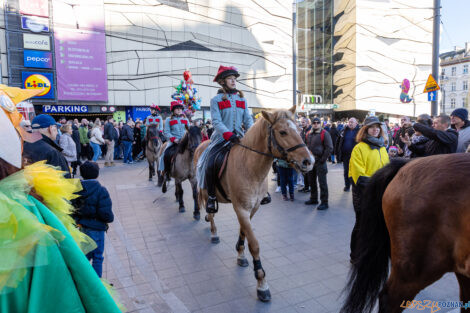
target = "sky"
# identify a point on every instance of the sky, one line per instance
(455, 18)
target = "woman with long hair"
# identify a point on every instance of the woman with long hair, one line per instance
(96, 140)
(368, 156)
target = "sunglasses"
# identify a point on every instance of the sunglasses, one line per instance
(315, 122)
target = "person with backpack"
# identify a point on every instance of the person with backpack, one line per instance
(94, 211)
(320, 144)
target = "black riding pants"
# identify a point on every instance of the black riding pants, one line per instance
(211, 169)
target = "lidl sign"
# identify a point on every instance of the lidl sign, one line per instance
(43, 81)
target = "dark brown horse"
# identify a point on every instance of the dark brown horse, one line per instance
(152, 149)
(417, 215)
(182, 168)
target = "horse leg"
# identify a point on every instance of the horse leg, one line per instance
(151, 170)
(196, 214)
(179, 196)
(240, 247)
(214, 238)
(262, 288)
(464, 283)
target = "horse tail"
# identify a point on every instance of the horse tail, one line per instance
(370, 270)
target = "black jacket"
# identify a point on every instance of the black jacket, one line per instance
(110, 132)
(340, 142)
(94, 209)
(126, 133)
(334, 133)
(304, 132)
(76, 138)
(46, 149)
(440, 142)
(320, 150)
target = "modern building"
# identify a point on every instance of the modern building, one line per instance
(454, 79)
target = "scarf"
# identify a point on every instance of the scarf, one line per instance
(374, 142)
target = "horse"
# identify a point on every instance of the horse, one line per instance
(152, 150)
(416, 216)
(274, 135)
(182, 168)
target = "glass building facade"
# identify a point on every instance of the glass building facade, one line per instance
(314, 42)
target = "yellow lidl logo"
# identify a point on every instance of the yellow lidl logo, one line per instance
(38, 81)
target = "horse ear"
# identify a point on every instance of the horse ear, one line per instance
(268, 116)
(294, 107)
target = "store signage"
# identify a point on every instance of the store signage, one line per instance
(34, 7)
(39, 59)
(44, 81)
(36, 42)
(65, 108)
(35, 24)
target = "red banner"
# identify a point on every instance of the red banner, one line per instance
(35, 7)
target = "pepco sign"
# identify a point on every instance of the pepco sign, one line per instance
(39, 59)
(39, 81)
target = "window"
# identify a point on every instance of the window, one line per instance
(452, 103)
(454, 70)
(465, 69)
(443, 71)
(465, 85)
(452, 86)
(464, 102)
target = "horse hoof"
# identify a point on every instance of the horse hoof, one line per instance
(264, 295)
(206, 218)
(215, 240)
(182, 209)
(242, 262)
(197, 216)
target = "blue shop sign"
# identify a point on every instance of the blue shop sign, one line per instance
(65, 109)
(39, 59)
(35, 24)
(137, 112)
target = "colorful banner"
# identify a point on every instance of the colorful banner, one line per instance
(35, 24)
(45, 81)
(39, 59)
(80, 50)
(34, 7)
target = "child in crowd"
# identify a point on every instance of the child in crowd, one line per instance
(392, 152)
(94, 211)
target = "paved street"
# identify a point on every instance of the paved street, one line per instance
(162, 261)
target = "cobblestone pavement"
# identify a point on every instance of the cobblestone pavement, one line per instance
(162, 261)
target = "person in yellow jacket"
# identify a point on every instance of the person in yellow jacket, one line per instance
(368, 156)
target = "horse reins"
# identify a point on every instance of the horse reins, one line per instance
(272, 142)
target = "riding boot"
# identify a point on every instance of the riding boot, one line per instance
(211, 206)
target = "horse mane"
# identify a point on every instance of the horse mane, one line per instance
(192, 131)
(259, 127)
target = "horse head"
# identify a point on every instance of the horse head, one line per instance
(191, 139)
(153, 135)
(284, 140)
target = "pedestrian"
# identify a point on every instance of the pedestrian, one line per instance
(392, 152)
(118, 150)
(460, 122)
(417, 143)
(96, 140)
(127, 139)
(405, 129)
(137, 147)
(94, 212)
(345, 145)
(368, 156)
(334, 138)
(69, 148)
(319, 143)
(286, 175)
(441, 138)
(26, 126)
(46, 148)
(306, 127)
(78, 147)
(111, 138)
(86, 150)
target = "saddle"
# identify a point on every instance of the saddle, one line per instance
(169, 157)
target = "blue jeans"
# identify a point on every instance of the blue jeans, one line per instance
(127, 151)
(96, 255)
(118, 151)
(96, 151)
(287, 177)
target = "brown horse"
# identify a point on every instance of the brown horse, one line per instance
(182, 168)
(152, 149)
(416, 214)
(274, 135)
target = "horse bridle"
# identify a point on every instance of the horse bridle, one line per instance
(272, 142)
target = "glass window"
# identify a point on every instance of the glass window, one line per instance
(465, 85)
(452, 86)
(464, 102)
(443, 71)
(454, 70)
(465, 69)
(452, 103)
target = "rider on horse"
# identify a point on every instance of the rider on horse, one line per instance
(229, 112)
(154, 118)
(175, 128)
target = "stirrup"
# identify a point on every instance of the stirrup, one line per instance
(214, 205)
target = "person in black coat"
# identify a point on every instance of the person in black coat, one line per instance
(334, 134)
(344, 146)
(76, 139)
(137, 147)
(46, 148)
(94, 211)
